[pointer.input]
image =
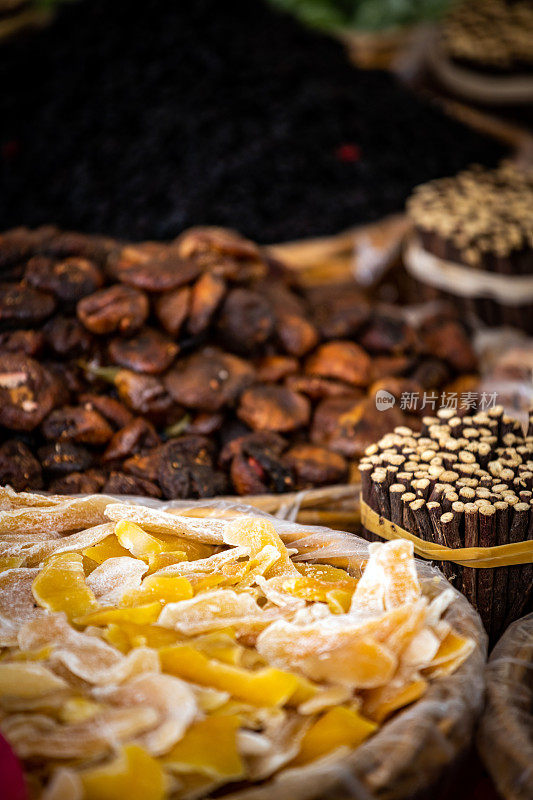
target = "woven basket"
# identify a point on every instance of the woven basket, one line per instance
(413, 752)
(505, 738)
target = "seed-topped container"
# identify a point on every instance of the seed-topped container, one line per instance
(461, 490)
(473, 243)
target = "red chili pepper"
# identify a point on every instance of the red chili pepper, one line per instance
(348, 152)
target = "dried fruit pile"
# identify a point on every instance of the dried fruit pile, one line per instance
(159, 655)
(202, 112)
(194, 368)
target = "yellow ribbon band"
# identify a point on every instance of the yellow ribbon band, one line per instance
(502, 555)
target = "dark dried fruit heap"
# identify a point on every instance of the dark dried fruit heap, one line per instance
(140, 119)
(195, 368)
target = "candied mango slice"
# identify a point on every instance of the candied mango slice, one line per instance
(11, 562)
(60, 586)
(338, 727)
(210, 748)
(78, 709)
(138, 542)
(28, 680)
(127, 635)
(325, 573)
(256, 534)
(135, 775)
(454, 649)
(159, 588)
(139, 615)
(378, 704)
(160, 560)
(109, 547)
(265, 687)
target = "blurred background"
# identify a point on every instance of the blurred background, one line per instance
(284, 118)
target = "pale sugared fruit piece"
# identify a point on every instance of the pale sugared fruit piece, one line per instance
(139, 615)
(378, 704)
(28, 680)
(209, 747)
(134, 775)
(161, 588)
(109, 547)
(338, 727)
(126, 635)
(264, 687)
(61, 586)
(133, 538)
(389, 579)
(454, 649)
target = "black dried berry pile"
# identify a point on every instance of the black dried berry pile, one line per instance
(139, 120)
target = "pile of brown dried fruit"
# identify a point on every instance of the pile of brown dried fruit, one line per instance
(195, 368)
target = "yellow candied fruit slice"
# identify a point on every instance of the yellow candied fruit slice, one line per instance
(219, 645)
(378, 704)
(265, 687)
(134, 775)
(256, 534)
(209, 747)
(193, 550)
(11, 562)
(158, 561)
(28, 680)
(338, 601)
(127, 635)
(109, 547)
(206, 582)
(325, 573)
(159, 588)
(338, 727)
(139, 543)
(453, 650)
(139, 615)
(60, 586)
(78, 709)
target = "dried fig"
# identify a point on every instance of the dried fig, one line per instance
(18, 467)
(24, 305)
(153, 266)
(208, 380)
(388, 332)
(68, 280)
(345, 361)
(274, 368)
(28, 392)
(89, 482)
(120, 483)
(112, 409)
(206, 296)
(172, 309)
(137, 435)
(118, 308)
(273, 408)
(316, 466)
(77, 423)
(147, 351)
(246, 321)
(145, 394)
(317, 388)
(64, 457)
(29, 342)
(66, 337)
